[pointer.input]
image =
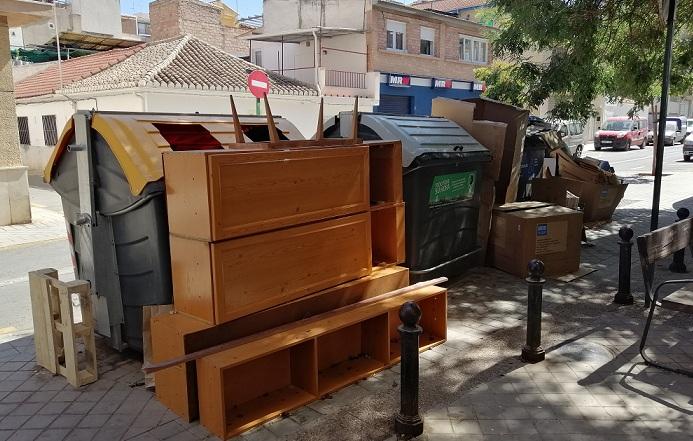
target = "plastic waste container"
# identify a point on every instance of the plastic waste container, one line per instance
(441, 166)
(108, 171)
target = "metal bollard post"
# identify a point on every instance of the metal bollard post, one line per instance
(532, 352)
(679, 263)
(408, 423)
(623, 296)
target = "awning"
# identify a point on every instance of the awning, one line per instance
(95, 42)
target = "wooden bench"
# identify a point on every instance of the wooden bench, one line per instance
(653, 246)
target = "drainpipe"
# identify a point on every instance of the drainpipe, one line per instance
(316, 52)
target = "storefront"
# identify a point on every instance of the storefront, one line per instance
(407, 94)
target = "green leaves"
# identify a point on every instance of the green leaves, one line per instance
(577, 50)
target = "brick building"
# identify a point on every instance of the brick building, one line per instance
(344, 46)
(214, 23)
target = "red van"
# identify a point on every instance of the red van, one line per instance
(621, 132)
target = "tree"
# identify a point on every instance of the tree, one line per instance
(577, 50)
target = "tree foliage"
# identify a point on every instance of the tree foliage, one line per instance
(577, 50)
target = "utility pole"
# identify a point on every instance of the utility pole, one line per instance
(663, 109)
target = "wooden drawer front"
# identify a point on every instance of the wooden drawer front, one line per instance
(235, 194)
(258, 272)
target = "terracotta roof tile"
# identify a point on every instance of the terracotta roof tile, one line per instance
(180, 63)
(48, 81)
(184, 63)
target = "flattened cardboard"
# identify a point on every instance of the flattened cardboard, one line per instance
(598, 201)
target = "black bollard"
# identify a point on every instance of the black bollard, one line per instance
(678, 265)
(532, 352)
(408, 423)
(623, 296)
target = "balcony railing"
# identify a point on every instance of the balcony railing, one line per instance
(339, 78)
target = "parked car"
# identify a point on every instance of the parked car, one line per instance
(689, 126)
(675, 129)
(573, 134)
(621, 132)
(688, 147)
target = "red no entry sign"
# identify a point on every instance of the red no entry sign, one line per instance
(258, 83)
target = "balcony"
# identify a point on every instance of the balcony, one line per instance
(344, 83)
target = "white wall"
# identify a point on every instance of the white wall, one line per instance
(36, 155)
(99, 16)
(287, 15)
(345, 52)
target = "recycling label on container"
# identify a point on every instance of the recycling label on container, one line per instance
(452, 187)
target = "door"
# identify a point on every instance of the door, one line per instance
(396, 104)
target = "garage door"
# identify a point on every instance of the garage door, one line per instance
(395, 104)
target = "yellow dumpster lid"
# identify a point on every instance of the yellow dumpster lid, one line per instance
(138, 144)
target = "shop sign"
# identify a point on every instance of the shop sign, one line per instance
(442, 84)
(399, 80)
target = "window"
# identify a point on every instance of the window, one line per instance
(396, 31)
(23, 126)
(143, 28)
(427, 38)
(258, 58)
(50, 130)
(474, 50)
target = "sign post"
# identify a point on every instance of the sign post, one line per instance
(259, 86)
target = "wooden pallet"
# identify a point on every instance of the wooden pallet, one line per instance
(246, 385)
(56, 335)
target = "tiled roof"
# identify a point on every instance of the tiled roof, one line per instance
(448, 5)
(48, 80)
(179, 63)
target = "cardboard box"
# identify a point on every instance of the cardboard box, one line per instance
(534, 230)
(598, 201)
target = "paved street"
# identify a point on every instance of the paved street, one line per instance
(593, 385)
(640, 161)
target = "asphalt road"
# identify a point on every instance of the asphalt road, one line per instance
(636, 161)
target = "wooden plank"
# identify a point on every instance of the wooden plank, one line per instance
(418, 288)
(665, 241)
(263, 343)
(40, 312)
(239, 194)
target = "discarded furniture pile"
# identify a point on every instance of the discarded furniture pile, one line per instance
(285, 279)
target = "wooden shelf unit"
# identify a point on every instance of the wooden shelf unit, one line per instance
(178, 334)
(253, 382)
(433, 322)
(217, 195)
(219, 282)
(387, 206)
(352, 353)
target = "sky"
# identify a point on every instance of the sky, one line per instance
(245, 8)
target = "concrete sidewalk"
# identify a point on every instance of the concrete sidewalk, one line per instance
(47, 221)
(592, 386)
